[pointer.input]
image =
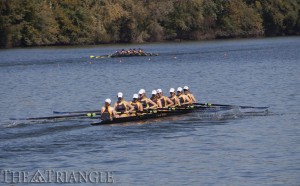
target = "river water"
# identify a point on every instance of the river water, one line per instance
(218, 149)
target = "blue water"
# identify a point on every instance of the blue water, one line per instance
(219, 149)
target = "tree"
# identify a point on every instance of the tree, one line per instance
(237, 19)
(74, 22)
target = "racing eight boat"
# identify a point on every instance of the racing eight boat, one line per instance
(159, 113)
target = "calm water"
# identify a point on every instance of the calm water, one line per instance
(190, 150)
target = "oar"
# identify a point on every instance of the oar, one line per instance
(98, 111)
(77, 112)
(222, 105)
(104, 56)
(84, 111)
(57, 117)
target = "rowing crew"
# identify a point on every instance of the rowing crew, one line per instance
(140, 102)
(130, 51)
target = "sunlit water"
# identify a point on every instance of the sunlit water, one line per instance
(226, 148)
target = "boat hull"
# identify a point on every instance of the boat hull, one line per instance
(142, 117)
(159, 114)
(133, 55)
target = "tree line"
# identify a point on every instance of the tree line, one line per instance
(78, 22)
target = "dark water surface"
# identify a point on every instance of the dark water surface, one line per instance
(218, 149)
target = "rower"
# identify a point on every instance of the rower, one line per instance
(184, 99)
(146, 101)
(136, 103)
(123, 106)
(174, 98)
(155, 99)
(108, 112)
(165, 101)
(189, 94)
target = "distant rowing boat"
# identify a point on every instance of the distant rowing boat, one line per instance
(125, 54)
(133, 55)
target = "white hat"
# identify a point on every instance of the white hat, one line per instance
(154, 92)
(120, 95)
(108, 101)
(135, 96)
(142, 91)
(172, 90)
(179, 89)
(159, 90)
(185, 88)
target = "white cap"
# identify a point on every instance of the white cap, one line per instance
(185, 88)
(142, 91)
(108, 101)
(172, 90)
(154, 92)
(120, 95)
(159, 90)
(135, 96)
(179, 89)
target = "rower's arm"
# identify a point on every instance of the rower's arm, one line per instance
(114, 113)
(140, 107)
(177, 102)
(131, 108)
(152, 103)
(193, 98)
(102, 110)
(159, 105)
(169, 102)
(115, 106)
(188, 99)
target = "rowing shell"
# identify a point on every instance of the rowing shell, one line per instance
(159, 114)
(133, 55)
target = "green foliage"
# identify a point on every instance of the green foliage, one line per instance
(78, 22)
(237, 19)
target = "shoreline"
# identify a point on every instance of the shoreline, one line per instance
(149, 43)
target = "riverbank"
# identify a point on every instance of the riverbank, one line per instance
(47, 23)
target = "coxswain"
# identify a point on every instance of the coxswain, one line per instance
(174, 98)
(165, 101)
(136, 103)
(146, 102)
(123, 106)
(155, 99)
(187, 92)
(108, 112)
(184, 99)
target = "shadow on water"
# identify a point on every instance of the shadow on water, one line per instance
(172, 125)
